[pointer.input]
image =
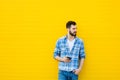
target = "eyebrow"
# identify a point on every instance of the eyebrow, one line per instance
(74, 28)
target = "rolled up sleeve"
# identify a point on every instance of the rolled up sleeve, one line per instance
(56, 50)
(82, 51)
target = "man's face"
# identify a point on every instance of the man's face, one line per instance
(72, 30)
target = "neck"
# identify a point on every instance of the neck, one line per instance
(70, 37)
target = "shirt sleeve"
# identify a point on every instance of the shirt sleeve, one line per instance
(82, 51)
(57, 49)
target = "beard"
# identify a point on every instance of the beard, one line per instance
(72, 34)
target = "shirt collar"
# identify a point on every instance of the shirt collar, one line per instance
(65, 38)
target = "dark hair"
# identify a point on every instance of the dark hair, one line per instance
(69, 23)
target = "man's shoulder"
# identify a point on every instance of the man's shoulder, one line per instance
(60, 39)
(79, 39)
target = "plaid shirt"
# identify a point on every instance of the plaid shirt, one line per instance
(76, 53)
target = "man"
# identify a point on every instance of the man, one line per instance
(69, 51)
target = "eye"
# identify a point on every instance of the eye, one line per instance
(74, 28)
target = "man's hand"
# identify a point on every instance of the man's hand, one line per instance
(77, 71)
(65, 59)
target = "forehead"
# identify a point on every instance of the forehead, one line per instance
(73, 26)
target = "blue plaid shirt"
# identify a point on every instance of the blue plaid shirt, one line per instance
(76, 53)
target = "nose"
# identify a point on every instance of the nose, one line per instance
(75, 31)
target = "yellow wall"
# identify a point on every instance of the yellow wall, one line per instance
(30, 28)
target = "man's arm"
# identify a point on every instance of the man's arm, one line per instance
(64, 59)
(58, 58)
(57, 53)
(82, 57)
(77, 71)
(81, 63)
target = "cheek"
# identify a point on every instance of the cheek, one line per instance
(72, 31)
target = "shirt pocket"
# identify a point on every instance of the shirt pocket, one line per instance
(76, 49)
(63, 52)
(76, 52)
(63, 49)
